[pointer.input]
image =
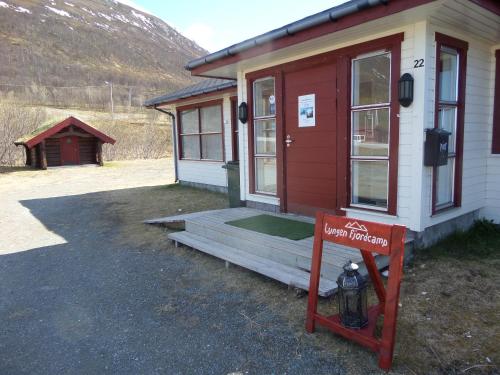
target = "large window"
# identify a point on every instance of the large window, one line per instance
(201, 133)
(450, 66)
(264, 126)
(370, 130)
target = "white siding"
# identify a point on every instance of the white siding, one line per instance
(492, 209)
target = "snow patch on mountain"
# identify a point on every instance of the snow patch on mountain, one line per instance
(89, 11)
(58, 11)
(142, 17)
(22, 10)
(4, 4)
(121, 17)
(103, 26)
(109, 18)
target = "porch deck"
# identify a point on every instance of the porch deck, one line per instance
(279, 258)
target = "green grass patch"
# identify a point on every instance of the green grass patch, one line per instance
(481, 241)
(111, 164)
(275, 226)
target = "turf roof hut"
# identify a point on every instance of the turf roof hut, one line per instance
(66, 142)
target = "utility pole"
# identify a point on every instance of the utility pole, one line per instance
(112, 104)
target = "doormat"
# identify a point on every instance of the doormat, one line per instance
(275, 226)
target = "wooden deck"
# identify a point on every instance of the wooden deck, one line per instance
(282, 259)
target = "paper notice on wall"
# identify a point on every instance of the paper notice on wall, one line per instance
(307, 110)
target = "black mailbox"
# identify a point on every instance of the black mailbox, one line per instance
(436, 147)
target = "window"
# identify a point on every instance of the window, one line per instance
(450, 72)
(370, 130)
(496, 114)
(201, 133)
(264, 126)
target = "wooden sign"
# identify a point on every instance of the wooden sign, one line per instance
(359, 234)
(370, 238)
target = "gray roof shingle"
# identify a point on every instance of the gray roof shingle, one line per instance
(204, 87)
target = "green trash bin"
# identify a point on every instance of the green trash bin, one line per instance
(233, 183)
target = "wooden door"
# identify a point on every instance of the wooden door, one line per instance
(310, 152)
(69, 151)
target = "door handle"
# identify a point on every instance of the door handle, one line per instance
(288, 140)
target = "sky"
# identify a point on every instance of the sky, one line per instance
(217, 24)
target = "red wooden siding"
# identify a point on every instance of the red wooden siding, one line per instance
(88, 150)
(53, 152)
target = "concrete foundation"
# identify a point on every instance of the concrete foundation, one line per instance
(433, 234)
(198, 185)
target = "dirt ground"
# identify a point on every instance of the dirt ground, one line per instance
(85, 287)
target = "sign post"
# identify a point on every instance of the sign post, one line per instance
(369, 238)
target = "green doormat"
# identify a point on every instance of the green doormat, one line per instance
(275, 226)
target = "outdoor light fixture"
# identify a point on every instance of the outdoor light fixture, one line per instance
(353, 302)
(405, 85)
(243, 112)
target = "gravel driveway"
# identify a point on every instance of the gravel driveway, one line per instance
(85, 288)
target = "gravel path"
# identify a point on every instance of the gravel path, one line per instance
(84, 289)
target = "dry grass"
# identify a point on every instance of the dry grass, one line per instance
(448, 322)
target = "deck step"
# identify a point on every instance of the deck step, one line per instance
(281, 250)
(291, 276)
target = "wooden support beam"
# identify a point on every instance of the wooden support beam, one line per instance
(72, 133)
(99, 154)
(28, 156)
(43, 155)
(33, 160)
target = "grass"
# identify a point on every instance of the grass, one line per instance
(481, 241)
(448, 321)
(275, 226)
(451, 303)
(111, 164)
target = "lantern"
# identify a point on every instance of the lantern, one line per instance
(243, 112)
(405, 84)
(352, 295)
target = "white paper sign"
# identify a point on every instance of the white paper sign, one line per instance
(307, 110)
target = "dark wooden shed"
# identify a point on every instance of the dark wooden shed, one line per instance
(66, 142)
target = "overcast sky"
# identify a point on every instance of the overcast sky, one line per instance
(219, 23)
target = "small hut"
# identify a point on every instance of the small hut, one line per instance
(67, 142)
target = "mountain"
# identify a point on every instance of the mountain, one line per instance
(48, 44)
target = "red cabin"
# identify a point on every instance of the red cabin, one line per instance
(67, 142)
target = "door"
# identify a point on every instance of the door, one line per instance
(310, 137)
(69, 151)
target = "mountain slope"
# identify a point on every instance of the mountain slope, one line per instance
(89, 42)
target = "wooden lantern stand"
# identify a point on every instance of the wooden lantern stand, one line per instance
(370, 238)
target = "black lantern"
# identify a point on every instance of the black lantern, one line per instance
(405, 84)
(353, 300)
(243, 112)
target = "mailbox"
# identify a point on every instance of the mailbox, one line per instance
(436, 147)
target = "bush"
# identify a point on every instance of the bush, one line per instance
(15, 122)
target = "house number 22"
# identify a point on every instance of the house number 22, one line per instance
(419, 63)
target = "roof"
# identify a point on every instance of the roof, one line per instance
(53, 126)
(206, 86)
(329, 15)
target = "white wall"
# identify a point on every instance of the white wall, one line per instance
(492, 209)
